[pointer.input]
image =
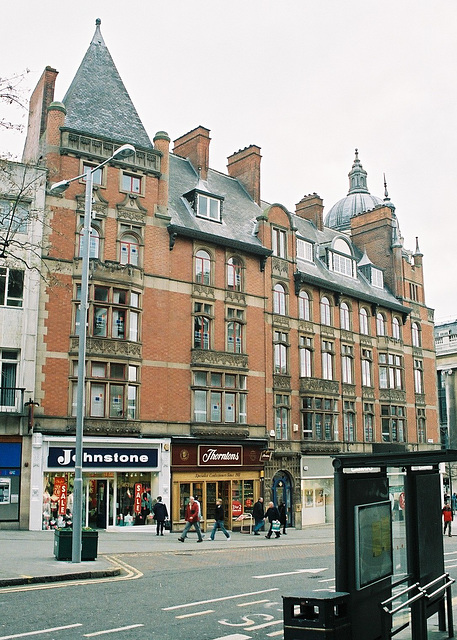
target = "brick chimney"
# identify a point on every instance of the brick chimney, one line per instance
(40, 100)
(311, 207)
(195, 146)
(245, 166)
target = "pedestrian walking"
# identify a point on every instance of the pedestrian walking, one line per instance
(447, 518)
(192, 519)
(258, 514)
(160, 512)
(219, 521)
(282, 516)
(272, 515)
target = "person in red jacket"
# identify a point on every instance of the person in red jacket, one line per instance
(447, 517)
(192, 518)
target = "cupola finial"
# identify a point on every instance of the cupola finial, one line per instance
(357, 177)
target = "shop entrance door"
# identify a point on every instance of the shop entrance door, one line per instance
(98, 503)
(282, 492)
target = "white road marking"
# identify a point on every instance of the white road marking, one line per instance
(273, 634)
(246, 620)
(248, 604)
(291, 573)
(196, 613)
(36, 633)
(266, 624)
(196, 604)
(328, 580)
(102, 633)
(234, 636)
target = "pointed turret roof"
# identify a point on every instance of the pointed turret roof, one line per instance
(97, 101)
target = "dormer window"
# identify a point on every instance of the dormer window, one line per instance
(304, 250)
(340, 259)
(208, 207)
(377, 278)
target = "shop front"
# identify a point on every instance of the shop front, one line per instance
(317, 490)
(121, 479)
(233, 473)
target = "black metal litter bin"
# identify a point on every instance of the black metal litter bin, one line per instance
(312, 617)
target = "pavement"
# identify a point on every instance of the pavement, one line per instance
(27, 557)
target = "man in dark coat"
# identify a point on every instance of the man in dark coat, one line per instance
(258, 514)
(282, 516)
(160, 514)
(272, 514)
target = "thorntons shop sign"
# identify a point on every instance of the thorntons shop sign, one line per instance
(213, 456)
(105, 458)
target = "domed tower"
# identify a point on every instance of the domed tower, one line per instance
(358, 199)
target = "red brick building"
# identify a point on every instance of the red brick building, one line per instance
(232, 345)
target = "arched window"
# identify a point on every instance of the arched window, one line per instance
(130, 250)
(325, 311)
(279, 300)
(304, 306)
(416, 334)
(202, 267)
(363, 320)
(345, 319)
(396, 328)
(94, 242)
(234, 274)
(380, 324)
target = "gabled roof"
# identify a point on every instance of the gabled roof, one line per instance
(97, 101)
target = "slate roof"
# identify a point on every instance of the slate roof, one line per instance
(237, 229)
(317, 273)
(239, 211)
(97, 101)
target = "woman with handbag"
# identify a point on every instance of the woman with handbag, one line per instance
(160, 514)
(272, 515)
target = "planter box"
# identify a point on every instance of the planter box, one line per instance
(63, 541)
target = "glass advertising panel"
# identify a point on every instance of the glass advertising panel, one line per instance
(373, 542)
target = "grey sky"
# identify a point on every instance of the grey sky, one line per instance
(306, 81)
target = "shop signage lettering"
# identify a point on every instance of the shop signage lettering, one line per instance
(64, 457)
(213, 456)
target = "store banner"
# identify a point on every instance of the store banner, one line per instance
(138, 492)
(104, 458)
(63, 500)
(219, 456)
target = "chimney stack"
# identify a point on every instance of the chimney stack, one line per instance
(245, 166)
(195, 147)
(41, 98)
(311, 207)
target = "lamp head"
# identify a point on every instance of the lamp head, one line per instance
(124, 152)
(59, 187)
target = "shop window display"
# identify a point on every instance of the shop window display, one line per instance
(57, 500)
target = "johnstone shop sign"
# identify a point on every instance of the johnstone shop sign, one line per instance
(103, 458)
(220, 456)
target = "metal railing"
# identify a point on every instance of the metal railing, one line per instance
(424, 596)
(12, 400)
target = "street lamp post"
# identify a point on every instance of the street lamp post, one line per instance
(59, 187)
